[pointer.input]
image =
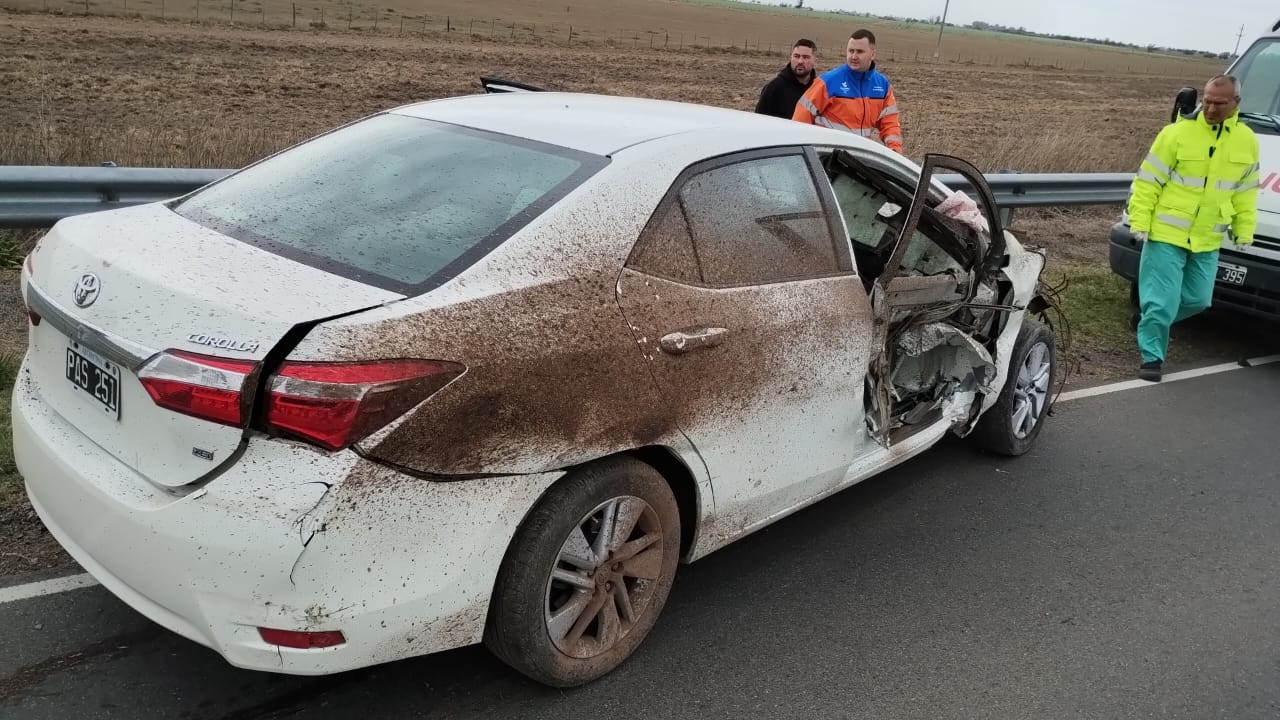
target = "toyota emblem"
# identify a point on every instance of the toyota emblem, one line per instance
(86, 290)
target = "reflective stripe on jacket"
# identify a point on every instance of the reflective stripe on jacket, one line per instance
(1198, 181)
(858, 102)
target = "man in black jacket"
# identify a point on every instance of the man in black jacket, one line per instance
(780, 95)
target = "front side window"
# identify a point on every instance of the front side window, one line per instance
(874, 215)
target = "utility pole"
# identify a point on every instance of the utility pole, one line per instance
(942, 26)
(1236, 52)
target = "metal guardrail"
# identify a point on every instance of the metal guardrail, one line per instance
(33, 196)
(1018, 190)
(39, 196)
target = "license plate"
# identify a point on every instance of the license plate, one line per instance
(1232, 274)
(95, 375)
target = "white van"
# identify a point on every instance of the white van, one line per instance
(1249, 276)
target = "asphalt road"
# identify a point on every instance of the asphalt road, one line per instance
(1128, 568)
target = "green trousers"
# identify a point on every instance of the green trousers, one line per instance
(1173, 285)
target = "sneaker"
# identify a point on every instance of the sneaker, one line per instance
(1151, 371)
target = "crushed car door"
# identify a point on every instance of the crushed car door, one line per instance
(745, 303)
(929, 261)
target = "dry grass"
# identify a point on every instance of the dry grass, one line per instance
(631, 24)
(163, 145)
(82, 90)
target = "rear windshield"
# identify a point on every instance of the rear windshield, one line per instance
(401, 203)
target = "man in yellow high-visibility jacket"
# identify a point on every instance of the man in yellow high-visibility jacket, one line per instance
(1199, 181)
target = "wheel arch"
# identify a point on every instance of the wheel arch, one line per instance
(684, 486)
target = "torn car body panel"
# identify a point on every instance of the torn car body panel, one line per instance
(935, 303)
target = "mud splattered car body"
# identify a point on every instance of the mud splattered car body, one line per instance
(316, 413)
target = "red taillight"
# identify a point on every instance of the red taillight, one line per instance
(31, 270)
(337, 404)
(301, 640)
(203, 386)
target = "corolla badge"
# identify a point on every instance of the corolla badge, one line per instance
(86, 290)
(221, 343)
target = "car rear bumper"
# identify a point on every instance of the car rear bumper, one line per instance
(1259, 296)
(288, 538)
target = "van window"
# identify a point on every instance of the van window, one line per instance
(1259, 75)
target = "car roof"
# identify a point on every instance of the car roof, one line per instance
(604, 124)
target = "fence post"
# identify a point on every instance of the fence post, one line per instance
(448, 24)
(351, 12)
(570, 40)
(231, 7)
(197, 10)
(681, 41)
(513, 31)
(377, 18)
(86, 7)
(472, 27)
(295, 14)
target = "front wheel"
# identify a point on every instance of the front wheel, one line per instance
(1011, 426)
(587, 574)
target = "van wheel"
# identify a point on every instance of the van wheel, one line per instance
(587, 574)
(1011, 426)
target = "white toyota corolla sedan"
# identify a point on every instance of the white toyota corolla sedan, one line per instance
(489, 368)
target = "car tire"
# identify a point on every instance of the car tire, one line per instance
(1004, 429)
(541, 599)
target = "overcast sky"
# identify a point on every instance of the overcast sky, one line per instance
(1197, 24)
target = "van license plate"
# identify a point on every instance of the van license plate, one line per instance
(96, 375)
(1232, 274)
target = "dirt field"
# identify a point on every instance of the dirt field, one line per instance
(88, 89)
(632, 23)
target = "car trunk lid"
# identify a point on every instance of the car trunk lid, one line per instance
(141, 311)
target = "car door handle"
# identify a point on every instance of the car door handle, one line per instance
(682, 341)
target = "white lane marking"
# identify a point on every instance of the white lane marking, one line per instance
(83, 580)
(46, 587)
(1171, 377)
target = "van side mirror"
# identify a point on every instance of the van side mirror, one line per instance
(1185, 103)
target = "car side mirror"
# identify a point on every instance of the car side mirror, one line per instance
(1185, 103)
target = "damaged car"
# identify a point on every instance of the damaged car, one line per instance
(490, 368)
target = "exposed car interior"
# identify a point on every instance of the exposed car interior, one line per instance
(939, 305)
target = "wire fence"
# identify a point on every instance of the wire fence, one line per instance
(341, 15)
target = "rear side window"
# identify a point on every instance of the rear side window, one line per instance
(396, 202)
(750, 222)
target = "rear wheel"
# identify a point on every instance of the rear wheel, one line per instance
(1011, 426)
(587, 574)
